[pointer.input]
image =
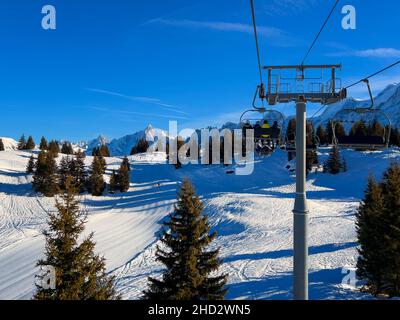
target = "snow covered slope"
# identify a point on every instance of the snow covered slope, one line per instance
(252, 215)
(9, 144)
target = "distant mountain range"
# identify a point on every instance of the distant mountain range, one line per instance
(123, 146)
(388, 101)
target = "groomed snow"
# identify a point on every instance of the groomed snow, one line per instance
(252, 215)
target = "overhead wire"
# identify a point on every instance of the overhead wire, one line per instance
(320, 31)
(256, 38)
(374, 74)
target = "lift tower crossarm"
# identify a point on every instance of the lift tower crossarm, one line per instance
(300, 67)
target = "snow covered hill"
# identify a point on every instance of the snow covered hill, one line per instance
(388, 101)
(9, 144)
(252, 215)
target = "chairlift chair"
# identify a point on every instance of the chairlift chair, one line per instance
(367, 114)
(266, 138)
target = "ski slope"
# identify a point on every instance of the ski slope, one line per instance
(252, 215)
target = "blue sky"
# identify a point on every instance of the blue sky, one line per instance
(113, 66)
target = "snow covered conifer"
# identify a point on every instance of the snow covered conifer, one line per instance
(80, 273)
(188, 264)
(1, 145)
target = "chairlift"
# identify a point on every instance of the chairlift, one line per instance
(267, 126)
(368, 115)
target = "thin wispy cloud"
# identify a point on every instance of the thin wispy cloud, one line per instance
(127, 112)
(278, 36)
(148, 100)
(368, 53)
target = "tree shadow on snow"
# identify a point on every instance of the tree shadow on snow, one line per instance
(332, 247)
(323, 285)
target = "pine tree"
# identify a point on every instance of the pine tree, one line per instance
(45, 178)
(375, 129)
(96, 179)
(370, 232)
(141, 147)
(291, 130)
(334, 164)
(311, 160)
(104, 151)
(322, 135)
(125, 162)
(1, 145)
(66, 148)
(394, 139)
(123, 178)
(78, 171)
(359, 129)
(114, 183)
(30, 144)
(43, 144)
(188, 265)
(54, 148)
(50, 184)
(80, 273)
(22, 143)
(339, 131)
(391, 238)
(64, 171)
(30, 168)
(103, 164)
(40, 172)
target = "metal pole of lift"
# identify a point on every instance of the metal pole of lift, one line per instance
(300, 233)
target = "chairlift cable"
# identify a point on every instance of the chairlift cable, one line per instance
(320, 31)
(374, 74)
(256, 38)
